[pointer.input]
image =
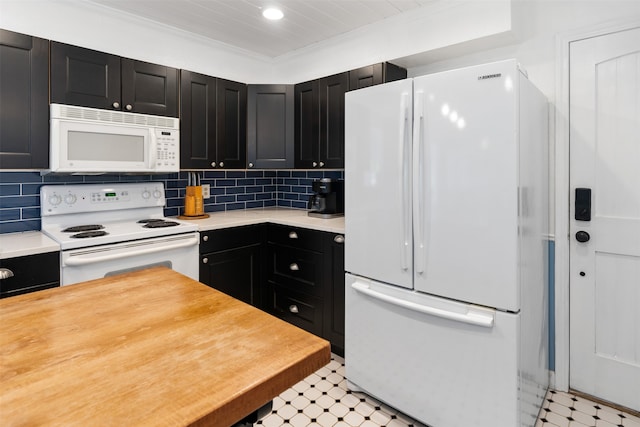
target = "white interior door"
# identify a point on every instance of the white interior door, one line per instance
(605, 269)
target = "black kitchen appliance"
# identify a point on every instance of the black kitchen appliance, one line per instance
(328, 198)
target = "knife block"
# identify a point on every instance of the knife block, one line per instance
(193, 203)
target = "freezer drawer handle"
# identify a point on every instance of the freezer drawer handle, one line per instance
(471, 317)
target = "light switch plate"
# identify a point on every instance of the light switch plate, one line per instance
(206, 191)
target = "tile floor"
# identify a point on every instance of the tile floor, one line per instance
(323, 400)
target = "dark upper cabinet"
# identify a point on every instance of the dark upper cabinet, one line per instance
(197, 121)
(270, 126)
(24, 101)
(307, 124)
(319, 122)
(375, 74)
(332, 90)
(231, 124)
(213, 122)
(149, 88)
(95, 79)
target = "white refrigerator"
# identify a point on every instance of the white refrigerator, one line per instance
(446, 215)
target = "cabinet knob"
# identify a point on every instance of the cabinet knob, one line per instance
(321, 164)
(293, 235)
(116, 105)
(250, 164)
(205, 260)
(314, 164)
(129, 107)
(294, 267)
(339, 238)
(221, 164)
(293, 308)
(205, 238)
(5, 273)
(213, 164)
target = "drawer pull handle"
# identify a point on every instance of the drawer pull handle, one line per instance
(293, 235)
(293, 308)
(339, 238)
(294, 267)
(5, 273)
(205, 260)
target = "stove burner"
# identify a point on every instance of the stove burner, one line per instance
(146, 221)
(160, 224)
(88, 234)
(78, 228)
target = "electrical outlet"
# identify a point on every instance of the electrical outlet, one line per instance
(206, 191)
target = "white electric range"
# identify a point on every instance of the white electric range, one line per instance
(108, 229)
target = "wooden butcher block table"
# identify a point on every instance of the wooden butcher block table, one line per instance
(149, 348)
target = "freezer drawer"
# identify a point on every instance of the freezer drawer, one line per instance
(445, 363)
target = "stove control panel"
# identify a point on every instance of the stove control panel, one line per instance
(65, 199)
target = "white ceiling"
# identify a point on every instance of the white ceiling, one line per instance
(239, 23)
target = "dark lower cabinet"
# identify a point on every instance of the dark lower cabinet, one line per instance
(231, 261)
(24, 101)
(29, 273)
(305, 280)
(334, 291)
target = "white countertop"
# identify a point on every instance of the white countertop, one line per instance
(28, 243)
(283, 216)
(34, 242)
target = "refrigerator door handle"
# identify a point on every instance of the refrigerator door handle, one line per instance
(476, 316)
(419, 176)
(405, 156)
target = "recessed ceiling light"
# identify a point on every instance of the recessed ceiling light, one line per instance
(272, 13)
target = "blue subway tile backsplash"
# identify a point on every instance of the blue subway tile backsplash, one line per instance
(230, 190)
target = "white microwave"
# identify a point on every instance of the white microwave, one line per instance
(93, 141)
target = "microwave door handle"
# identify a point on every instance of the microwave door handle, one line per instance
(153, 147)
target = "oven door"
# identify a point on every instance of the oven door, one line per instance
(178, 252)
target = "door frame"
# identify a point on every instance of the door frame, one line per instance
(560, 377)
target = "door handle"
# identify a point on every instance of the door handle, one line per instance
(582, 236)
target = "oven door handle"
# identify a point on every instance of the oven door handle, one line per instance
(108, 257)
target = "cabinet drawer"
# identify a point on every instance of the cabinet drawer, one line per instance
(297, 308)
(30, 273)
(227, 238)
(296, 237)
(297, 269)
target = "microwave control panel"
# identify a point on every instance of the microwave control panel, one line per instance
(168, 150)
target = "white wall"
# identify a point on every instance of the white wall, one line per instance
(94, 26)
(539, 22)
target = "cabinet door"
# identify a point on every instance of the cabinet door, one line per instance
(84, 77)
(231, 124)
(149, 88)
(365, 76)
(24, 103)
(333, 328)
(270, 121)
(30, 273)
(236, 272)
(197, 121)
(332, 90)
(307, 125)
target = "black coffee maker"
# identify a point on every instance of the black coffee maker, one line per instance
(328, 198)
